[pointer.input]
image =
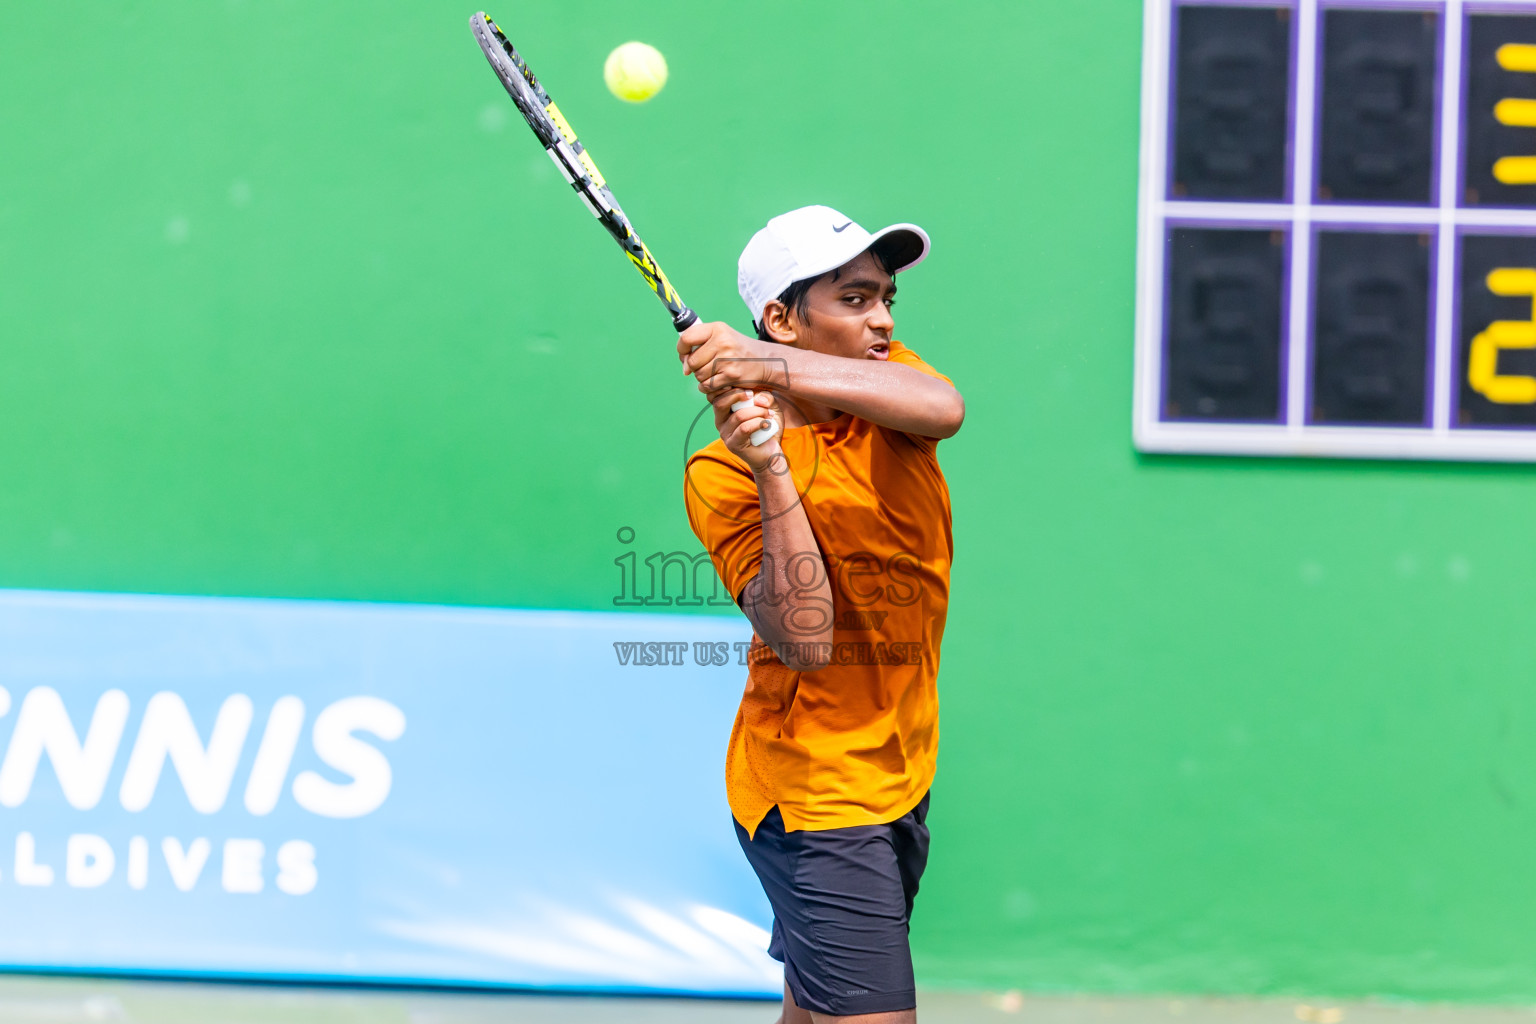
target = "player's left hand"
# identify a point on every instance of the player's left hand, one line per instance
(721, 357)
(749, 425)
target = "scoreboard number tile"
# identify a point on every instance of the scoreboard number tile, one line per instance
(1225, 320)
(1497, 351)
(1371, 316)
(1337, 248)
(1230, 131)
(1376, 114)
(1501, 111)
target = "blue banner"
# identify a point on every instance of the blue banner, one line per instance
(373, 792)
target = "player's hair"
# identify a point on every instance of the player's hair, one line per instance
(798, 295)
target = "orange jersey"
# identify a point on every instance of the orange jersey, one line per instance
(855, 743)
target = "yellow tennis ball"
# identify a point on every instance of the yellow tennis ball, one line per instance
(635, 72)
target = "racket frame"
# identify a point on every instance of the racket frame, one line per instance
(574, 162)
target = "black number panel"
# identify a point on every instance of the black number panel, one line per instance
(1371, 331)
(1224, 324)
(1233, 88)
(1377, 106)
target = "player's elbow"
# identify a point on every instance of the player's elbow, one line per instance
(948, 415)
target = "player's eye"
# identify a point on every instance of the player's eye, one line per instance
(854, 300)
(890, 303)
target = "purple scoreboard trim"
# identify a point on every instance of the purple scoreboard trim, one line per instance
(1287, 283)
(1429, 325)
(1292, 101)
(1437, 136)
(1456, 333)
(1436, 6)
(1170, 111)
(1235, 3)
(1286, 265)
(1496, 7)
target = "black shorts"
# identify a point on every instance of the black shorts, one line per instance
(842, 902)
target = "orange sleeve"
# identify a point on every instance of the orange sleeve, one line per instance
(906, 357)
(721, 496)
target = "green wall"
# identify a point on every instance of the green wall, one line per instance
(292, 305)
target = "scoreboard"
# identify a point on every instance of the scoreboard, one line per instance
(1337, 253)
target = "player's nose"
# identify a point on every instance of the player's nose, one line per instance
(881, 320)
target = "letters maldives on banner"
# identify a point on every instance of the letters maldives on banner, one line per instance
(371, 792)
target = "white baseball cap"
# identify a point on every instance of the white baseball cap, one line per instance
(811, 241)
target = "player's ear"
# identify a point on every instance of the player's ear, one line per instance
(778, 324)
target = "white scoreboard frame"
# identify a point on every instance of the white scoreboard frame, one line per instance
(1294, 436)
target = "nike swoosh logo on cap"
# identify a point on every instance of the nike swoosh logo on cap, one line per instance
(840, 230)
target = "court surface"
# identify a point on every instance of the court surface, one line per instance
(41, 1000)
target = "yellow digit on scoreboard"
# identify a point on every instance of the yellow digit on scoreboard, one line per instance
(1483, 358)
(1516, 113)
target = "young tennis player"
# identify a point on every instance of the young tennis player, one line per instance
(833, 534)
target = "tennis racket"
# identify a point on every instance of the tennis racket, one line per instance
(575, 163)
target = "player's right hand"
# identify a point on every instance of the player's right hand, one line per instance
(720, 358)
(757, 411)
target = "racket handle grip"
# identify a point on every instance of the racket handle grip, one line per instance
(762, 434)
(686, 319)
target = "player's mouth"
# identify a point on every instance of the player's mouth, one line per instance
(880, 350)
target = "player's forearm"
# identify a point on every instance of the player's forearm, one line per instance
(889, 394)
(790, 600)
